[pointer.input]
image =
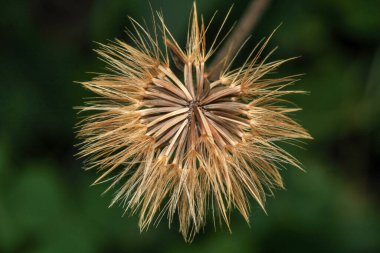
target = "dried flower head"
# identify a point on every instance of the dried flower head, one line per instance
(176, 142)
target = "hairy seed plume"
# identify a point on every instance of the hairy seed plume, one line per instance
(175, 142)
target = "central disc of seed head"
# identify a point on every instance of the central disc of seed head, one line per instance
(180, 113)
(193, 104)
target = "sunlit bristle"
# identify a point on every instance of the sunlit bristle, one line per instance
(172, 140)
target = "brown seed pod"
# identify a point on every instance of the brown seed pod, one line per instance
(175, 142)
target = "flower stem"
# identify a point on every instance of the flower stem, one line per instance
(250, 18)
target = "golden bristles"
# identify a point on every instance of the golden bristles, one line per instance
(176, 142)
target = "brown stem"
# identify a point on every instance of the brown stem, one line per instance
(251, 16)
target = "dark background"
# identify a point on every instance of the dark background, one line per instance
(46, 204)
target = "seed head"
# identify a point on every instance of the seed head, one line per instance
(175, 141)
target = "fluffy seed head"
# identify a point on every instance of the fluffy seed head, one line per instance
(176, 142)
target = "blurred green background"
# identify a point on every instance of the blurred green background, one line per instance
(46, 204)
